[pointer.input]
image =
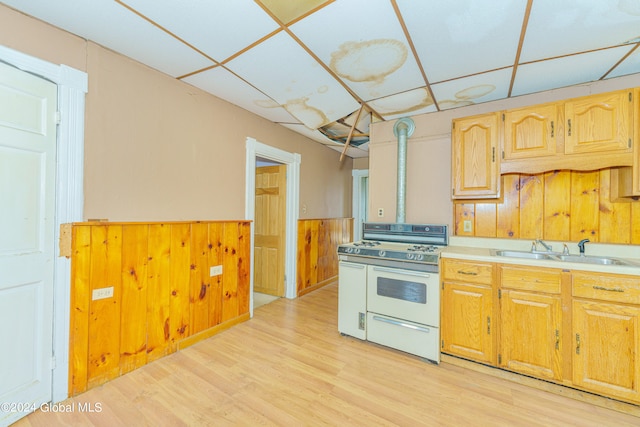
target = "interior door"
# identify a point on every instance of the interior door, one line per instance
(27, 191)
(270, 229)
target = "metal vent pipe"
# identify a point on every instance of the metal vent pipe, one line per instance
(402, 130)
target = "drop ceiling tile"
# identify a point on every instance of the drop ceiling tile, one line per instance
(363, 43)
(559, 28)
(416, 101)
(225, 85)
(287, 11)
(631, 65)
(112, 25)
(473, 90)
(284, 71)
(462, 37)
(219, 28)
(566, 71)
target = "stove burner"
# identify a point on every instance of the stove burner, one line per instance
(422, 248)
(366, 243)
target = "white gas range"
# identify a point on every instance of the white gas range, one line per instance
(389, 287)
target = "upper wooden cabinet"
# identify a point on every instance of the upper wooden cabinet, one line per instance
(587, 133)
(599, 123)
(530, 132)
(475, 157)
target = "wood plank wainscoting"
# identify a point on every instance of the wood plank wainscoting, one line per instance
(140, 291)
(558, 205)
(318, 241)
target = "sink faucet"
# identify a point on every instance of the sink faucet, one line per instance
(581, 245)
(547, 247)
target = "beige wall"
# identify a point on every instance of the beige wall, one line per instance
(159, 149)
(429, 154)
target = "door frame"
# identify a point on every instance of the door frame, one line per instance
(72, 87)
(358, 191)
(292, 161)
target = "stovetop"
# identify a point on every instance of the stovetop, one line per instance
(391, 250)
(417, 243)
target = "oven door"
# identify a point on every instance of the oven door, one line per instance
(404, 294)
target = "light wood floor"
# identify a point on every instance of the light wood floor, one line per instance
(289, 366)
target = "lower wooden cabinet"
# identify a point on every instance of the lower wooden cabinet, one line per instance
(605, 349)
(530, 334)
(467, 326)
(576, 328)
(530, 321)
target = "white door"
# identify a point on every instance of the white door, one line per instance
(27, 206)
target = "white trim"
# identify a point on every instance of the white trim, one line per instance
(292, 160)
(358, 175)
(72, 87)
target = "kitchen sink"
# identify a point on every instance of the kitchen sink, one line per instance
(593, 260)
(523, 254)
(566, 258)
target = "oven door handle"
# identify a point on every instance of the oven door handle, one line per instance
(402, 324)
(352, 265)
(400, 271)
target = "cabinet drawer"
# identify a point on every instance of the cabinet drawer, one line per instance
(467, 271)
(608, 287)
(539, 280)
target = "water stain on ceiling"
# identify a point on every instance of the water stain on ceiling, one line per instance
(368, 61)
(466, 96)
(412, 100)
(312, 117)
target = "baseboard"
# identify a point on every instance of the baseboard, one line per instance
(317, 286)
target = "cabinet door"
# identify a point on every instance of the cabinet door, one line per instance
(530, 132)
(467, 323)
(599, 123)
(352, 299)
(530, 335)
(475, 161)
(605, 354)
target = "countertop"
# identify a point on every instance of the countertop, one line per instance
(480, 249)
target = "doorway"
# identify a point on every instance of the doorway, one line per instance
(360, 209)
(71, 87)
(291, 161)
(269, 231)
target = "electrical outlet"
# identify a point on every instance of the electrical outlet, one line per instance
(467, 226)
(102, 293)
(380, 212)
(216, 270)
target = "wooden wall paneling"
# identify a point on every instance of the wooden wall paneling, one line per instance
(486, 219)
(508, 210)
(314, 228)
(159, 292)
(635, 223)
(464, 212)
(302, 264)
(615, 218)
(585, 199)
(106, 262)
(229, 289)
(79, 318)
(180, 317)
(200, 279)
(531, 206)
(318, 241)
(244, 267)
(133, 319)
(557, 205)
(217, 256)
